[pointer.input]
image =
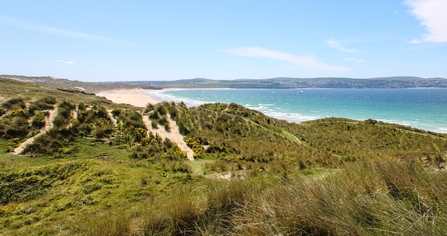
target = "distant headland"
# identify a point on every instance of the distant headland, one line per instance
(271, 83)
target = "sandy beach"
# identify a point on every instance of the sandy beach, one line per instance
(135, 97)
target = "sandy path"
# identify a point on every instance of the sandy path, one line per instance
(173, 135)
(114, 122)
(48, 126)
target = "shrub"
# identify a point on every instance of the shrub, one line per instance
(45, 102)
(154, 115)
(181, 167)
(50, 141)
(103, 131)
(173, 112)
(101, 112)
(149, 108)
(60, 122)
(64, 110)
(33, 108)
(38, 121)
(82, 106)
(161, 109)
(116, 112)
(167, 128)
(163, 120)
(132, 118)
(20, 112)
(182, 129)
(14, 103)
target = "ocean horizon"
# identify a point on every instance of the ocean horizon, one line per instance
(423, 108)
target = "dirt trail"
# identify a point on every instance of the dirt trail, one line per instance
(48, 126)
(114, 122)
(173, 135)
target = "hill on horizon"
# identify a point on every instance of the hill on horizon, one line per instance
(272, 83)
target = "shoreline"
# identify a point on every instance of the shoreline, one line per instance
(141, 97)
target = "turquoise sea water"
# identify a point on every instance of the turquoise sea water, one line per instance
(420, 108)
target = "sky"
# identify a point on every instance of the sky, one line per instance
(223, 39)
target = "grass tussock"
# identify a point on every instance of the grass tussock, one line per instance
(361, 200)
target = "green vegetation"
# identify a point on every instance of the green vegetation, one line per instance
(99, 170)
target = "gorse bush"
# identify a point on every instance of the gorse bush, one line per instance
(45, 103)
(38, 120)
(116, 112)
(132, 118)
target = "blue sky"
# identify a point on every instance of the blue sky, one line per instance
(227, 39)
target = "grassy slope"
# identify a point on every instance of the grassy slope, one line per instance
(283, 176)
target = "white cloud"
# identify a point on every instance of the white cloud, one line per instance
(307, 62)
(433, 15)
(415, 41)
(66, 62)
(335, 44)
(28, 25)
(353, 59)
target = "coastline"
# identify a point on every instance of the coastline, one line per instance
(141, 97)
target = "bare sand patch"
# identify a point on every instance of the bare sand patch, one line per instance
(135, 97)
(173, 135)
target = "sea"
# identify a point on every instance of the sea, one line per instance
(424, 108)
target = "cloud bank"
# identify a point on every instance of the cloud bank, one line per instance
(307, 62)
(433, 15)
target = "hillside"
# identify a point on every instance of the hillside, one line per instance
(289, 83)
(92, 167)
(271, 83)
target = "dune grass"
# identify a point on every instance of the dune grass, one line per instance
(88, 176)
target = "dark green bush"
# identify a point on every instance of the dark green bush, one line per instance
(173, 112)
(45, 103)
(167, 127)
(154, 115)
(17, 128)
(149, 108)
(101, 112)
(116, 112)
(132, 118)
(33, 109)
(51, 141)
(82, 106)
(161, 110)
(163, 120)
(14, 103)
(103, 131)
(60, 122)
(183, 129)
(38, 121)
